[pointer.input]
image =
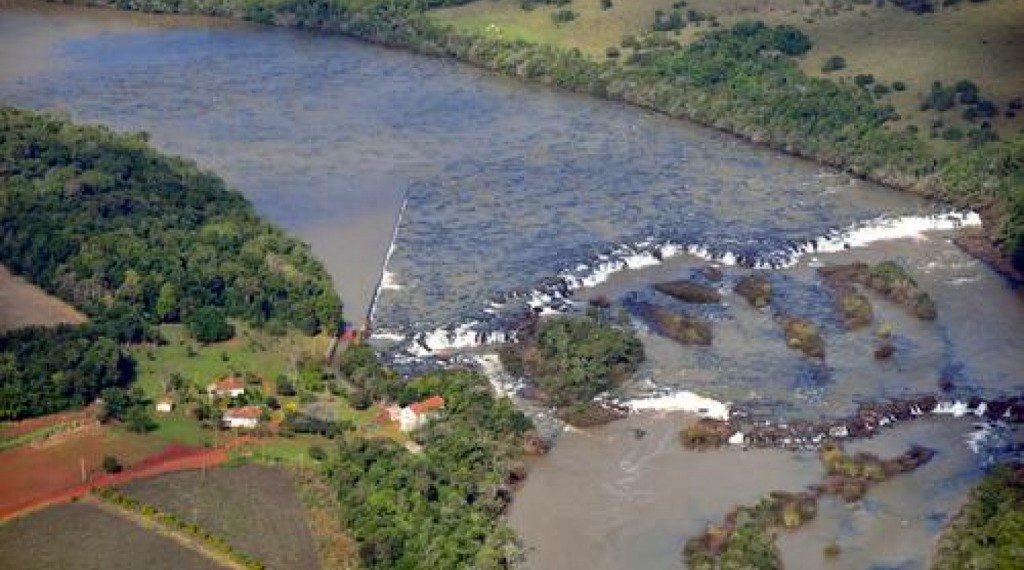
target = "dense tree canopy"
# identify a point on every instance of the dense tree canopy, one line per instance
(101, 219)
(440, 508)
(134, 238)
(45, 370)
(574, 358)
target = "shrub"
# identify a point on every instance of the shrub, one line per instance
(317, 453)
(834, 63)
(612, 52)
(863, 79)
(606, 4)
(880, 89)
(111, 464)
(899, 86)
(953, 133)
(209, 324)
(563, 16)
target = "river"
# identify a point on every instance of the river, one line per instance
(504, 194)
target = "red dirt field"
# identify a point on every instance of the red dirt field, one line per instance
(32, 477)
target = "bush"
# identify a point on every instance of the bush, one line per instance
(880, 89)
(606, 4)
(563, 16)
(863, 79)
(899, 86)
(111, 464)
(139, 420)
(953, 133)
(317, 453)
(834, 63)
(209, 324)
(612, 52)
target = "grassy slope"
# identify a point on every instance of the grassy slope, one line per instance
(981, 42)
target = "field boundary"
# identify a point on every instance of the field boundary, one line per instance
(174, 458)
(165, 524)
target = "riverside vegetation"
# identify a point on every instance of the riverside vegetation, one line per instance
(745, 79)
(134, 239)
(146, 224)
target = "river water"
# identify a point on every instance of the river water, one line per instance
(502, 194)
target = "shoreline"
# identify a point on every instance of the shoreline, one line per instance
(420, 35)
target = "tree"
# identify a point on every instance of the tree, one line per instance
(167, 303)
(209, 324)
(139, 420)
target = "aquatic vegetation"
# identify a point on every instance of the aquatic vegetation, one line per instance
(804, 336)
(989, 530)
(746, 536)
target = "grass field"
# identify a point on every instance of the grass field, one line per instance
(23, 304)
(254, 507)
(251, 351)
(983, 42)
(80, 535)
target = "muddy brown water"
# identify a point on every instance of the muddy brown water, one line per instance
(509, 185)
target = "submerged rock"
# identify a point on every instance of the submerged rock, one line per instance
(679, 327)
(885, 350)
(705, 434)
(688, 291)
(534, 444)
(712, 273)
(804, 336)
(590, 414)
(756, 289)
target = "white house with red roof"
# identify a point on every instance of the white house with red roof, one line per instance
(246, 417)
(230, 386)
(416, 415)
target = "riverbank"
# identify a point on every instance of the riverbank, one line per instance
(723, 82)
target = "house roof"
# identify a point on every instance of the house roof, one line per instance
(244, 413)
(229, 383)
(430, 404)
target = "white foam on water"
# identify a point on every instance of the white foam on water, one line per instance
(389, 282)
(492, 369)
(464, 336)
(956, 409)
(976, 439)
(387, 335)
(649, 253)
(683, 401)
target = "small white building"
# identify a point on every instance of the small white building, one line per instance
(246, 417)
(231, 387)
(164, 406)
(415, 416)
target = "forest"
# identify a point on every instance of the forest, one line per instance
(440, 508)
(133, 238)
